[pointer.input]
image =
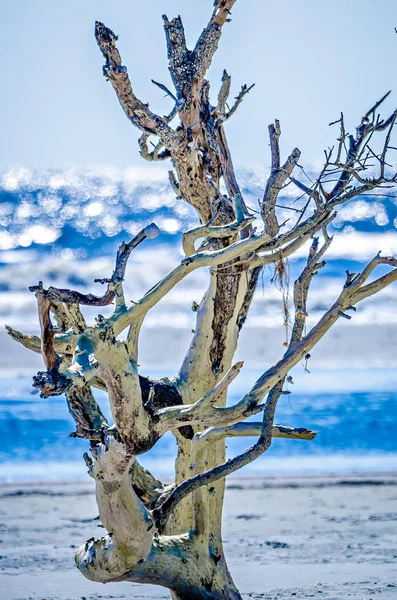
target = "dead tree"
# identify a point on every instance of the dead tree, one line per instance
(171, 535)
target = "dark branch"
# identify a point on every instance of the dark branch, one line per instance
(137, 112)
(74, 297)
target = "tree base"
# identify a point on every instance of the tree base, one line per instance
(205, 594)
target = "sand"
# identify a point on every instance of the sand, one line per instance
(296, 539)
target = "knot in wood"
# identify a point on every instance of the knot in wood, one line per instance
(300, 314)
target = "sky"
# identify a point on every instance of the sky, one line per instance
(308, 59)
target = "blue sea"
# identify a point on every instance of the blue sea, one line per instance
(356, 432)
(64, 227)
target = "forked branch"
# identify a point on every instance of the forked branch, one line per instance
(278, 176)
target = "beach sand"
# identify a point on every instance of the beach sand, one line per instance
(312, 537)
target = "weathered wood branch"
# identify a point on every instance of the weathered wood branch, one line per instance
(203, 412)
(351, 294)
(245, 89)
(157, 154)
(302, 284)
(212, 231)
(253, 429)
(278, 176)
(31, 342)
(121, 511)
(178, 54)
(284, 247)
(46, 327)
(114, 288)
(137, 112)
(207, 43)
(85, 365)
(350, 166)
(312, 192)
(223, 95)
(201, 259)
(146, 486)
(222, 112)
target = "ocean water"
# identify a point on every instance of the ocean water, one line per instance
(355, 433)
(64, 227)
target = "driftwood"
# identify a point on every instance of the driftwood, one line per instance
(171, 535)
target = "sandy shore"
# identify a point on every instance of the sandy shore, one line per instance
(303, 538)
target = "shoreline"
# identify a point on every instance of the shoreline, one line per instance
(80, 487)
